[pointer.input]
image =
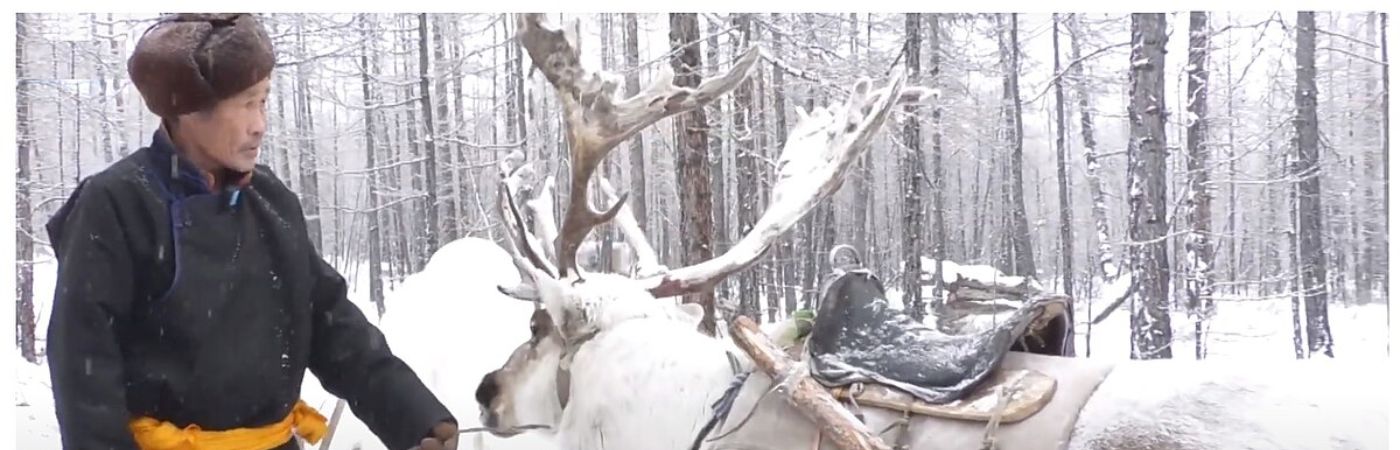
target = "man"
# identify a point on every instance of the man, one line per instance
(190, 301)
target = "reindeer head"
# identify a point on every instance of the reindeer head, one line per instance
(572, 306)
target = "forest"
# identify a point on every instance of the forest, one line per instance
(1162, 162)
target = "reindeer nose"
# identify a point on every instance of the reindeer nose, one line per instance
(488, 389)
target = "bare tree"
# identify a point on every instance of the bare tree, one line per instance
(24, 216)
(1104, 270)
(306, 137)
(450, 211)
(1151, 325)
(1310, 230)
(938, 241)
(1200, 256)
(912, 168)
(746, 159)
(787, 276)
(692, 161)
(637, 146)
(434, 226)
(1022, 261)
(1066, 222)
(376, 279)
(1383, 271)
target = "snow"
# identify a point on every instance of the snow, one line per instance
(981, 273)
(1190, 401)
(448, 322)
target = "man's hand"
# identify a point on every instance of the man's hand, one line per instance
(444, 437)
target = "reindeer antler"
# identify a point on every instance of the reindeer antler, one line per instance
(525, 247)
(597, 121)
(819, 152)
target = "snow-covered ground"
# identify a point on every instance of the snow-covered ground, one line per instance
(1241, 329)
(451, 325)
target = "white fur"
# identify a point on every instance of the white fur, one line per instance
(648, 378)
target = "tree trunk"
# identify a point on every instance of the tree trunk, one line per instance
(1066, 224)
(607, 231)
(788, 247)
(764, 276)
(451, 214)
(1104, 268)
(119, 117)
(376, 281)
(937, 244)
(108, 154)
(310, 187)
(692, 162)
(1235, 248)
(466, 182)
(912, 168)
(1024, 256)
(24, 215)
(862, 180)
(717, 153)
(416, 229)
(1200, 256)
(1300, 349)
(1383, 269)
(284, 155)
(637, 144)
(434, 228)
(1310, 230)
(512, 107)
(1151, 325)
(747, 161)
(1381, 272)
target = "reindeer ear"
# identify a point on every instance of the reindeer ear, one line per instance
(522, 291)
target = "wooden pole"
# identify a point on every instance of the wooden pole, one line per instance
(797, 386)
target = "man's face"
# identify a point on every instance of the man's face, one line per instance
(228, 135)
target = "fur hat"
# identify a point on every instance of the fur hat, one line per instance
(188, 62)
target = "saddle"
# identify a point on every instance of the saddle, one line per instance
(868, 352)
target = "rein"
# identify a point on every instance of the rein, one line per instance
(513, 430)
(562, 374)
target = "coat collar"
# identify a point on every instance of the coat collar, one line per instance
(183, 175)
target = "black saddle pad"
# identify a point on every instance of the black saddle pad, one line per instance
(858, 337)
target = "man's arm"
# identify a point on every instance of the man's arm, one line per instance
(353, 361)
(92, 300)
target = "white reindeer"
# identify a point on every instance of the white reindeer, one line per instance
(616, 363)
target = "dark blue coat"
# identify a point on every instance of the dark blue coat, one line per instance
(201, 307)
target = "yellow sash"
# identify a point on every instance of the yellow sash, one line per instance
(152, 434)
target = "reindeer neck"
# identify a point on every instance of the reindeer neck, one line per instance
(646, 367)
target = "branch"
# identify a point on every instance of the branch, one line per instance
(796, 385)
(1349, 38)
(1132, 288)
(1070, 65)
(1353, 55)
